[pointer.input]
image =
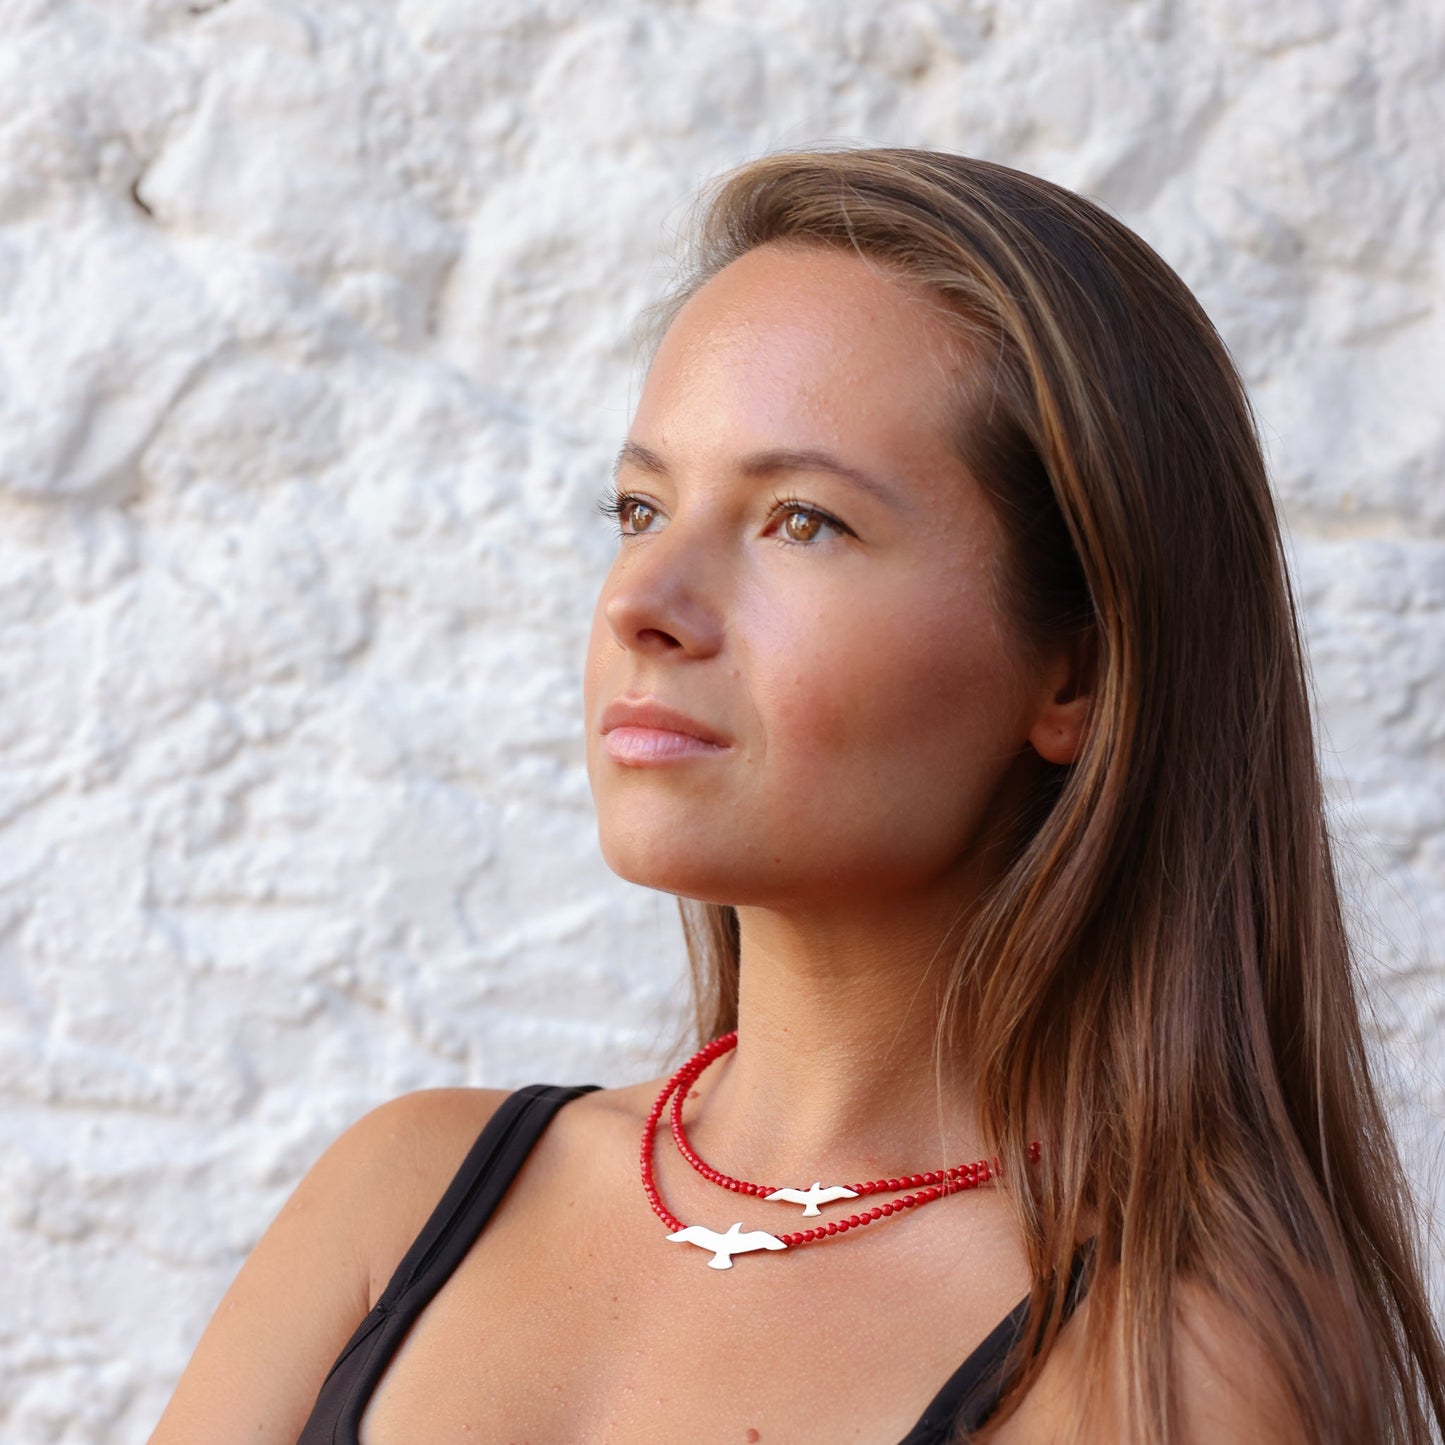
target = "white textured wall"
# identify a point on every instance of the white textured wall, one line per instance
(314, 347)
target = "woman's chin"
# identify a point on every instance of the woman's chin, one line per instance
(668, 875)
(670, 868)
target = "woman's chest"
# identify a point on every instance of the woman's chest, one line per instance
(596, 1328)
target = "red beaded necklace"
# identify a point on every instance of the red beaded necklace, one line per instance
(926, 1187)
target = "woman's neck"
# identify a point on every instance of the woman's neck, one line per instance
(834, 1071)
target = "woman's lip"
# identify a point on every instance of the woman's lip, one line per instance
(640, 747)
(648, 715)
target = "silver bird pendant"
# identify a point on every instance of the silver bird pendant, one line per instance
(813, 1196)
(724, 1246)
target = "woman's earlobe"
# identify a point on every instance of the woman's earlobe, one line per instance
(1058, 731)
(1058, 734)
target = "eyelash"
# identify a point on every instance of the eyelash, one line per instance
(616, 507)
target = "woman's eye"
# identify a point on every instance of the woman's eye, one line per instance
(634, 515)
(631, 514)
(801, 523)
(802, 526)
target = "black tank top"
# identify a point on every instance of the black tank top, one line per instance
(967, 1398)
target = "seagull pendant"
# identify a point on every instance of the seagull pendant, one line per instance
(724, 1246)
(813, 1196)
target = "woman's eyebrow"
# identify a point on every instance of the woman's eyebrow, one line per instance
(809, 459)
(634, 454)
(770, 462)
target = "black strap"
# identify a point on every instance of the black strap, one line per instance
(475, 1191)
(972, 1392)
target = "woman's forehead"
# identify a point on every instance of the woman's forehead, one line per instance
(805, 347)
(781, 287)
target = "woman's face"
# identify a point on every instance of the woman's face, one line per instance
(805, 583)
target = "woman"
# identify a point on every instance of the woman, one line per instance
(949, 671)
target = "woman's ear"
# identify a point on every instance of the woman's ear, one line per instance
(1066, 694)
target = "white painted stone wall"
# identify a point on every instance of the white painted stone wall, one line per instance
(315, 342)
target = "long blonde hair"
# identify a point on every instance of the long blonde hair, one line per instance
(1161, 982)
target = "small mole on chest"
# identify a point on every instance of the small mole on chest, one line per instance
(752, 1437)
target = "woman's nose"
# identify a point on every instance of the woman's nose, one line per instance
(657, 598)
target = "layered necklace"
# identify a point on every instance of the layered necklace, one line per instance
(921, 1188)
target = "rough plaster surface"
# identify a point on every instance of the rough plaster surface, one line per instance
(314, 345)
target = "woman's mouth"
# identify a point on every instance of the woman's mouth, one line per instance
(638, 732)
(636, 747)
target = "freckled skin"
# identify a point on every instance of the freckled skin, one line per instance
(877, 702)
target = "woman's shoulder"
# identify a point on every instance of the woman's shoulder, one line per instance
(320, 1267)
(398, 1158)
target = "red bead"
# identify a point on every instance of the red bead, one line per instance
(832, 1228)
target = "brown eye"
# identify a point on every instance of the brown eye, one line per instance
(802, 526)
(637, 516)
